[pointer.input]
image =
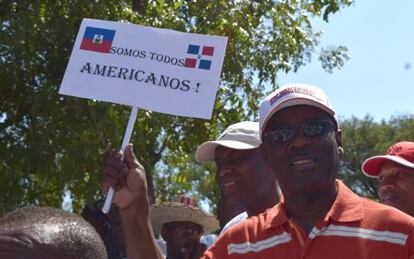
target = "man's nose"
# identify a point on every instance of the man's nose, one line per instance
(299, 140)
(385, 186)
(223, 171)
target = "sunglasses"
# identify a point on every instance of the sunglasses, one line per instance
(184, 228)
(310, 128)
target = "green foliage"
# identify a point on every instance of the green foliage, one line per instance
(333, 57)
(363, 138)
(51, 143)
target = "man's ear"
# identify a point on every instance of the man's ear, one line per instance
(263, 153)
(338, 137)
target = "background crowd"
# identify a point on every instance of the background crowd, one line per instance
(281, 172)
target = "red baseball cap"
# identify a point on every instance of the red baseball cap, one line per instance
(401, 153)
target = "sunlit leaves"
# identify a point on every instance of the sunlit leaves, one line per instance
(333, 57)
(363, 138)
(51, 144)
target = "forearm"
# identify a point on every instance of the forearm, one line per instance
(139, 238)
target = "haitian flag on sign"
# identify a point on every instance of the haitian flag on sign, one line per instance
(145, 67)
(97, 39)
(200, 57)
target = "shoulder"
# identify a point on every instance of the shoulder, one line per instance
(251, 230)
(379, 214)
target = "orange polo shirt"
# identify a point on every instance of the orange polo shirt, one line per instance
(354, 228)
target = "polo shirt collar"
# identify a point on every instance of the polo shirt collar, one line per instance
(276, 216)
(347, 207)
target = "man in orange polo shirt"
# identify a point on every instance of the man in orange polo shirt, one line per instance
(395, 174)
(319, 217)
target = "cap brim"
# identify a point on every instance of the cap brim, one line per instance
(372, 166)
(205, 152)
(179, 212)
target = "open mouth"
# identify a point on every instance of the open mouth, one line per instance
(229, 186)
(388, 198)
(303, 162)
(190, 245)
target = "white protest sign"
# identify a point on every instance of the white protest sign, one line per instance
(155, 69)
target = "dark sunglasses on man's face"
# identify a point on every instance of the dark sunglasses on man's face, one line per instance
(310, 128)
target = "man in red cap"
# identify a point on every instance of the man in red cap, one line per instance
(395, 174)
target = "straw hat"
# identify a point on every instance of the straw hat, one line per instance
(180, 211)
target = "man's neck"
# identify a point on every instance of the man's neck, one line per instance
(260, 205)
(308, 209)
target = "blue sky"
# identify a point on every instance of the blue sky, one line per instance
(379, 78)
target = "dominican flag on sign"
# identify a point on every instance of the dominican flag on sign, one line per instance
(199, 55)
(97, 39)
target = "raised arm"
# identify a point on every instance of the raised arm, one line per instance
(130, 184)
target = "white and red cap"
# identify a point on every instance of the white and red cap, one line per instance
(241, 135)
(401, 153)
(291, 95)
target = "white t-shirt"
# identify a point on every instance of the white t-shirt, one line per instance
(208, 240)
(239, 218)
